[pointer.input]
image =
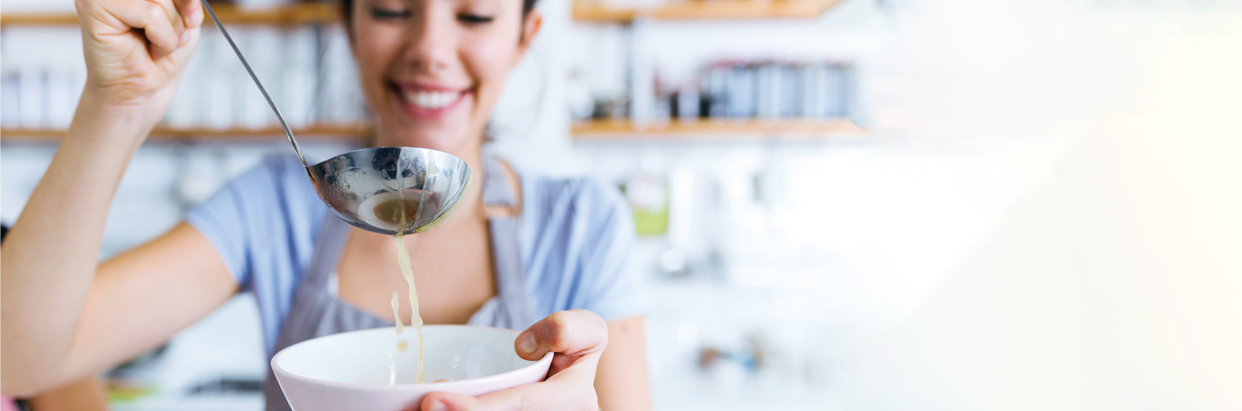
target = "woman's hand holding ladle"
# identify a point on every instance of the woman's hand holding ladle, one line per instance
(135, 53)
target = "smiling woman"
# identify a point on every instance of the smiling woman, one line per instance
(520, 247)
(433, 70)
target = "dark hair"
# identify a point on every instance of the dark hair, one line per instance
(347, 6)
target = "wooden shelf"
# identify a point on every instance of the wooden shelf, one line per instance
(583, 10)
(298, 13)
(836, 128)
(599, 11)
(322, 131)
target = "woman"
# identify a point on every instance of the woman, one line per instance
(519, 247)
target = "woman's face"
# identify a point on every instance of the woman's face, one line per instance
(433, 69)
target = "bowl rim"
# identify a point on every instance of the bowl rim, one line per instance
(545, 362)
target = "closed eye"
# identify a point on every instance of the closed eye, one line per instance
(386, 14)
(474, 18)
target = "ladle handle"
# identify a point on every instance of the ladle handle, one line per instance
(288, 132)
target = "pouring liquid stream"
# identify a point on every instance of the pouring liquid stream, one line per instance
(416, 321)
(401, 205)
(398, 211)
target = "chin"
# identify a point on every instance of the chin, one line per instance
(449, 140)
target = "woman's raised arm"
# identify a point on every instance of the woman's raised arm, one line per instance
(62, 317)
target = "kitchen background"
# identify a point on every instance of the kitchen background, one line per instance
(804, 174)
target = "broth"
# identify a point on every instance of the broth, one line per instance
(416, 321)
(394, 211)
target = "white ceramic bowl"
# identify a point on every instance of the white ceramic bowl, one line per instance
(350, 371)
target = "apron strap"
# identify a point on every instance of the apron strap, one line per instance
(496, 190)
(329, 247)
(516, 310)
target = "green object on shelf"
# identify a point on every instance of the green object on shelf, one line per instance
(651, 222)
(648, 199)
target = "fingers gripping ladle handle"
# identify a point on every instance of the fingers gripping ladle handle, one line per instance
(270, 103)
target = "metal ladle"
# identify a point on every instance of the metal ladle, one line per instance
(370, 188)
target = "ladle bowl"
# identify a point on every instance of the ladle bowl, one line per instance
(368, 188)
(387, 189)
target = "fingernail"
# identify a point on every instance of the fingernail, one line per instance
(526, 343)
(439, 406)
(185, 37)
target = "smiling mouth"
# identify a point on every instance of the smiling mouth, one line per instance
(428, 102)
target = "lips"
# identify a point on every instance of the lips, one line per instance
(428, 101)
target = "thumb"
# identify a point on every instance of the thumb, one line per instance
(576, 335)
(572, 335)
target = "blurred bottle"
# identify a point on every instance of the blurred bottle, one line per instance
(298, 85)
(685, 104)
(715, 86)
(790, 91)
(62, 98)
(814, 96)
(740, 97)
(662, 105)
(32, 90)
(10, 96)
(578, 94)
(261, 45)
(188, 108)
(642, 73)
(770, 92)
(834, 90)
(217, 92)
(340, 99)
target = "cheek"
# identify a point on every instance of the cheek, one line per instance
(490, 60)
(374, 48)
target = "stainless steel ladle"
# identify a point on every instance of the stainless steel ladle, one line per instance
(370, 188)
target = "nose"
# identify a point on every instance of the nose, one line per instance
(433, 40)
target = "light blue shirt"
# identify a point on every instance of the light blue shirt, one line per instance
(576, 236)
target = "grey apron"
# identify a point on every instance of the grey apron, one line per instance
(316, 311)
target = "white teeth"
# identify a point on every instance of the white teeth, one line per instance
(431, 99)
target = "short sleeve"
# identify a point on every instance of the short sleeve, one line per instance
(615, 288)
(223, 218)
(263, 225)
(262, 222)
